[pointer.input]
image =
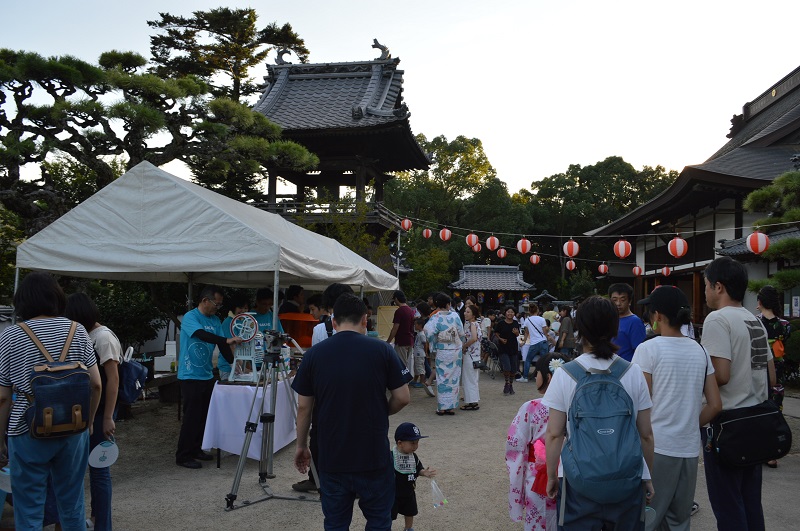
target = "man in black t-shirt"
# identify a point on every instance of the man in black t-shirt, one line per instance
(507, 331)
(344, 380)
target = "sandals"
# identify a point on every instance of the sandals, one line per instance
(470, 407)
(441, 413)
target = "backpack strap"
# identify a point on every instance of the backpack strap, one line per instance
(619, 367)
(575, 370)
(328, 324)
(74, 326)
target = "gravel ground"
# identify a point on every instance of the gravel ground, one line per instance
(151, 492)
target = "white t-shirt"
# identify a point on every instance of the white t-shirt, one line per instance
(486, 326)
(678, 366)
(320, 333)
(535, 325)
(106, 344)
(559, 393)
(735, 334)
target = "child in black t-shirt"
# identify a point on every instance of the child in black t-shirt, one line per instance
(407, 467)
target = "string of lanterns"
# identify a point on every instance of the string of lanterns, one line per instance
(757, 243)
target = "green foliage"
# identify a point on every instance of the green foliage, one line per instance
(11, 235)
(792, 345)
(431, 272)
(582, 284)
(117, 302)
(219, 41)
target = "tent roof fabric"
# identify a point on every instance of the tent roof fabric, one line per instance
(151, 226)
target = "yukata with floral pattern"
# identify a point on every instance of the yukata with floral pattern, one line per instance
(445, 335)
(525, 460)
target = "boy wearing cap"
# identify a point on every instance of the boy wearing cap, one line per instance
(407, 467)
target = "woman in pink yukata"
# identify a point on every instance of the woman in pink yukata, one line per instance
(526, 459)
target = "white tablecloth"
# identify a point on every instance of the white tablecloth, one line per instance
(227, 415)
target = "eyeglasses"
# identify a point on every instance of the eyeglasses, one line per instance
(215, 303)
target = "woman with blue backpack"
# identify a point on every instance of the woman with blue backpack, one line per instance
(41, 442)
(603, 404)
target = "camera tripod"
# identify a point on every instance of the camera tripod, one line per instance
(271, 367)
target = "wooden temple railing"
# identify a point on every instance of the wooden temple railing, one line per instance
(313, 212)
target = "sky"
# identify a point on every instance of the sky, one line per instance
(542, 84)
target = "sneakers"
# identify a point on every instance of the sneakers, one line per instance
(507, 389)
(204, 456)
(307, 485)
(511, 389)
(695, 508)
(429, 390)
(191, 463)
(522, 380)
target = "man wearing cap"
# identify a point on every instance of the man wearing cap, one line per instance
(344, 380)
(403, 332)
(737, 343)
(407, 467)
(631, 328)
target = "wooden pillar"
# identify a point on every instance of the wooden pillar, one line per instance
(272, 188)
(361, 183)
(379, 180)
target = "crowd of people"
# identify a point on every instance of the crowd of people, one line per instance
(648, 376)
(674, 385)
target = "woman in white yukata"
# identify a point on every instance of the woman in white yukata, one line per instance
(526, 458)
(445, 335)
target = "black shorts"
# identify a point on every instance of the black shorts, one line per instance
(509, 362)
(405, 505)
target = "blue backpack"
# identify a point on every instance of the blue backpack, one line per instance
(602, 458)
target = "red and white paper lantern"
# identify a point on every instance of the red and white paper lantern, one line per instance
(477, 248)
(622, 249)
(603, 268)
(427, 233)
(677, 247)
(472, 239)
(637, 271)
(445, 234)
(571, 265)
(571, 248)
(535, 259)
(666, 271)
(758, 242)
(406, 224)
(501, 253)
(492, 243)
(524, 246)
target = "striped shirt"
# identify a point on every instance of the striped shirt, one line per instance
(18, 356)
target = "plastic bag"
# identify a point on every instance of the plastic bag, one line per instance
(438, 498)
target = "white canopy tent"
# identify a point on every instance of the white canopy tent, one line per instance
(151, 226)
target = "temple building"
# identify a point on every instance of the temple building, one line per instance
(705, 204)
(353, 117)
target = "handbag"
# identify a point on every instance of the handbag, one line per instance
(749, 436)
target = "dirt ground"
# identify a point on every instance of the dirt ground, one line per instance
(151, 492)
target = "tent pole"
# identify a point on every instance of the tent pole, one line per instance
(190, 296)
(16, 286)
(275, 299)
(397, 269)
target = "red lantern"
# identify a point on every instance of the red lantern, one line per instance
(758, 242)
(524, 246)
(472, 239)
(502, 253)
(492, 243)
(445, 234)
(622, 249)
(666, 271)
(427, 233)
(477, 247)
(603, 268)
(535, 259)
(637, 271)
(406, 224)
(571, 265)
(571, 248)
(677, 247)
